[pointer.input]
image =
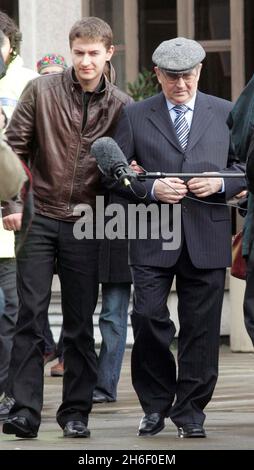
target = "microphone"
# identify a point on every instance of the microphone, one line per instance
(111, 161)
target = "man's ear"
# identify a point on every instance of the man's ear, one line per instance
(199, 70)
(158, 73)
(110, 52)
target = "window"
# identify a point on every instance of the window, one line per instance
(215, 78)
(157, 23)
(212, 19)
(11, 7)
(112, 11)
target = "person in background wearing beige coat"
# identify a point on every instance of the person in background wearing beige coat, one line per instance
(12, 174)
(13, 78)
(12, 178)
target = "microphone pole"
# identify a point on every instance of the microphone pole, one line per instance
(158, 174)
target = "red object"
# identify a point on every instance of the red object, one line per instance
(238, 268)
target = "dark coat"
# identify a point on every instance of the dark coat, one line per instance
(248, 231)
(113, 260)
(146, 133)
(241, 122)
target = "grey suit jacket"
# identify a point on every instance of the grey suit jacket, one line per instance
(146, 133)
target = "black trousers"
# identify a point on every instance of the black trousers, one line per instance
(8, 319)
(77, 264)
(182, 395)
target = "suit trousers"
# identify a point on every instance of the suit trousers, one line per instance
(184, 395)
(78, 265)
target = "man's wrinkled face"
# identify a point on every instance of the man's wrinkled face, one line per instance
(179, 88)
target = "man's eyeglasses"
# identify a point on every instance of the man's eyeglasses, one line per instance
(188, 77)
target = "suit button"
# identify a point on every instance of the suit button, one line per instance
(184, 208)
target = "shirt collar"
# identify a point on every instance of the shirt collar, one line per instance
(190, 103)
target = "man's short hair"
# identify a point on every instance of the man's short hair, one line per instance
(93, 29)
(11, 30)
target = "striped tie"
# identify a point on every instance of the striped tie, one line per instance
(181, 125)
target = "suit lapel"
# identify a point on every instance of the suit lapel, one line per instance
(202, 117)
(160, 118)
(203, 114)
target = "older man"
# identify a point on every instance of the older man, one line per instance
(180, 130)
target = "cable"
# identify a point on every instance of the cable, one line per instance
(189, 197)
(203, 202)
(135, 194)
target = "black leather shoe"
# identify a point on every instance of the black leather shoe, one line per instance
(101, 398)
(19, 426)
(5, 406)
(76, 429)
(151, 424)
(191, 430)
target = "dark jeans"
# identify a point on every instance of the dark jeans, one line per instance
(77, 261)
(8, 319)
(113, 328)
(50, 345)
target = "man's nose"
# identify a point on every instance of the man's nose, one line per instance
(180, 82)
(86, 59)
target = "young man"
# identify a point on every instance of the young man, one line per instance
(57, 119)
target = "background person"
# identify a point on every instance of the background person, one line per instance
(13, 79)
(248, 245)
(115, 279)
(241, 122)
(52, 63)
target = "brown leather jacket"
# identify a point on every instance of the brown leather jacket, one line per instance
(46, 132)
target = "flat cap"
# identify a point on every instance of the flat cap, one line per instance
(178, 55)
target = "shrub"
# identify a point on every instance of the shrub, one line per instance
(144, 86)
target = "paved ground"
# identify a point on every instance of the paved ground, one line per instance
(229, 424)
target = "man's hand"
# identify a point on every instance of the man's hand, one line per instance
(170, 190)
(12, 222)
(241, 194)
(203, 187)
(135, 167)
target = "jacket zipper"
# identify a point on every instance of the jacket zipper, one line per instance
(77, 154)
(74, 173)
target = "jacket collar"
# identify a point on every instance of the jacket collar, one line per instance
(202, 116)
(76, 85)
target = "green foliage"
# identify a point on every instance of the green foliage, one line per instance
(145, 85)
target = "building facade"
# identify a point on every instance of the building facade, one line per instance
(224, 27)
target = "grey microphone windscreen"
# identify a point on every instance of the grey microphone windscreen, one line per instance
(108, 155)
